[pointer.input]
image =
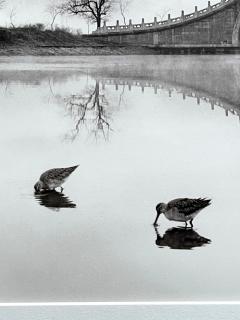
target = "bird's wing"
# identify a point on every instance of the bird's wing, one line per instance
(58, 173)
(177, 202)
(189, 206)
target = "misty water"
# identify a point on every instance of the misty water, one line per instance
(144, 130)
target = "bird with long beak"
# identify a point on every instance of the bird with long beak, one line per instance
(182, 210)
(53, 178)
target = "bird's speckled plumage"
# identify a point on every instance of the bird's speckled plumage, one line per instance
(54, 178)
(182, 209)
(188, 206)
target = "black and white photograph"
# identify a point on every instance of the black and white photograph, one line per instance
(120, 134)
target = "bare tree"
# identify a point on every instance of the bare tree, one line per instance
(94, 10)
(12, 15)
(163, 15)
(89, 109)
(54, 10)
(123, 6)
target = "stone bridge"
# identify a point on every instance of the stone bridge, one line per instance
(216, 25)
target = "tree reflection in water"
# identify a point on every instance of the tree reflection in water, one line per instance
(89, 109)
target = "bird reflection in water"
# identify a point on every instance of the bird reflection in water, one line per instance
(180, 238)
(54, 200)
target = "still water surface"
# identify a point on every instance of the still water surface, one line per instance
(143, 130)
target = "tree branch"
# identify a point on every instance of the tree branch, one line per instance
(93, 10)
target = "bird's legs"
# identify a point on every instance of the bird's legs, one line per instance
(61, 189)
(191, 223)
(156, 230)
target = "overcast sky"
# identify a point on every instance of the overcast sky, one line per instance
(33, 11)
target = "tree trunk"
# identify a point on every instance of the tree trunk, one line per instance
(99, 22)
(53, 20)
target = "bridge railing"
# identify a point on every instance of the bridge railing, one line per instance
(158, 24)
(186, 92)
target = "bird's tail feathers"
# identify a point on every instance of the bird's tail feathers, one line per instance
(205, 201)
(73, 167)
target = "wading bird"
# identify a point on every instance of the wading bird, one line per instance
(53, 178)
(182, 210)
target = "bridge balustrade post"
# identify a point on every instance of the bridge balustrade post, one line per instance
(196, 11)
(117, 25)
(169, 18)
(155, 22)
(209, 6)
(143, 24)
(182, 15)
(104, 27)
(130, 24)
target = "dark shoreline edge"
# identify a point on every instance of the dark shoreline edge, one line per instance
(111, 50)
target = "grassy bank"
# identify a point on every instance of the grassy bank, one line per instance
(35, 40)
(15, 50)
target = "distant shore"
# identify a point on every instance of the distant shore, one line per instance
(36, 41)
(106, 50)
(72, 50)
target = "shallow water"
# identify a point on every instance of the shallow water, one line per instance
(143, 130)
(173, 312)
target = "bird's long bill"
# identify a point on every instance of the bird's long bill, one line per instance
(158, 214)
(36, 187)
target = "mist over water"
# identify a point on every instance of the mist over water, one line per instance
(144, 130)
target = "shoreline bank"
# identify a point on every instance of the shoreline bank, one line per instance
(61, 50)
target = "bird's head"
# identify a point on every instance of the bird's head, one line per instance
(160, 208)
(38, 186)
